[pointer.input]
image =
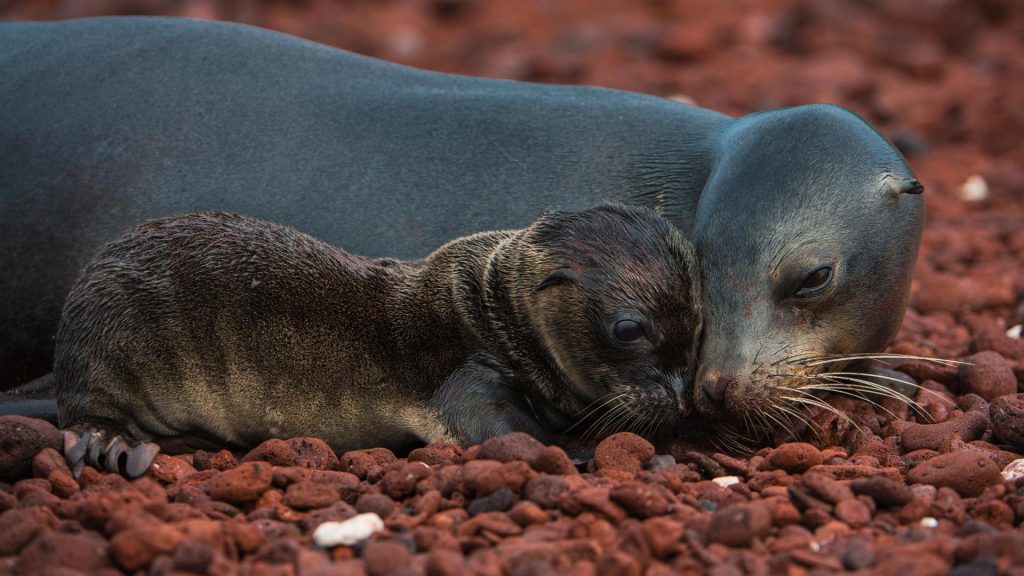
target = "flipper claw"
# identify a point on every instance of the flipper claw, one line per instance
(139, 459)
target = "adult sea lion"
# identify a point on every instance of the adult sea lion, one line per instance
(806, 220)
(236, 330)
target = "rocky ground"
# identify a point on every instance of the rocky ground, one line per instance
(908, 492)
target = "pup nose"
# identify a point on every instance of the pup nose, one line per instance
(713, 388)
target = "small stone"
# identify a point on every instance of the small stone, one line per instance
(244, 483)
(509, 447)
(387, 558)
(969, 426)
(642, 499)
(401, 482)
(380, 504)
(623, 451)
(134, 549)
(739, 525)
(437, 454)
(21, 439)
(19, 526)
(349, 532)
(193, 556)
(793, 457)
(1007, 414)
(274, 451)
(500, 500)
(1014, 470)
(988, 375)
(554, 460)
(853, 512)
(308, 495)
(974, 189)
(313, 453)
(929, 522)
(726, 481)
(883, 491)
(84, 553)
(47, 461)
(967, 472)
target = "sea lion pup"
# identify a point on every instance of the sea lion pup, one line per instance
(237, 330)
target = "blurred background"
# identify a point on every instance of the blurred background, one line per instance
(944, 79)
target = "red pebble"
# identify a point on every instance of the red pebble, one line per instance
(313, 453)
(967, 472)
(739, 525)
(793, 457)
(274, 451)
(624, 451)
(244, 483)
(988, 375)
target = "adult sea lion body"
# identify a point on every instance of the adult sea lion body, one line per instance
(108, 122)
(236, 330)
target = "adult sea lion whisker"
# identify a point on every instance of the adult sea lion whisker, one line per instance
(833, 358)
(815, 401)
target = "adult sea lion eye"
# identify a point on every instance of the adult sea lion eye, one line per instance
(815, 282)
(627, 331)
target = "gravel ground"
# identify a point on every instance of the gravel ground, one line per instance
(925, 491)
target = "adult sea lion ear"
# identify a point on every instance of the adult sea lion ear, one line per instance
(911, 186)
(560, 276)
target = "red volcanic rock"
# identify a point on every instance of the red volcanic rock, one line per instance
(485, 476)
(554, 460)
(883, 491)
(967, 472)
(437, 454)
(47, 461)
(969, 426)
(793, 457)
(988, 375)
(1007, 413)
(401, 481)
(366, 463)
(21, 439)
(387, 558)
(307, 495)
(274, 451)
(134, 549)
(21, 525)
(642, 500)
(169, 469)
(313, 453)
(85, 552)
(379, 504)
(624, 451)
(739, 525)
(512, 446)
(244, 483)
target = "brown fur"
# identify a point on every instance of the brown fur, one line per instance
(239, 330)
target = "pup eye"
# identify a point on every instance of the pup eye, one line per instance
(815, 282)
(627, 331)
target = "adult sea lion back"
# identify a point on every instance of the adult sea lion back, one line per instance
(108, 122)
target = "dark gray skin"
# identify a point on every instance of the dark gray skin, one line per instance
(108, 122)
(234, 330)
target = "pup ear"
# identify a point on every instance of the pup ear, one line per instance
(560, 276)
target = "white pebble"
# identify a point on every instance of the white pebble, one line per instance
(1014, 470)
(929, 522)
(726, 481)
(347, 533)
(974, 189)
(1014, 331)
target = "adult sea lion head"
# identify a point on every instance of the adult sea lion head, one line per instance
(603, 312)
(807, 231)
